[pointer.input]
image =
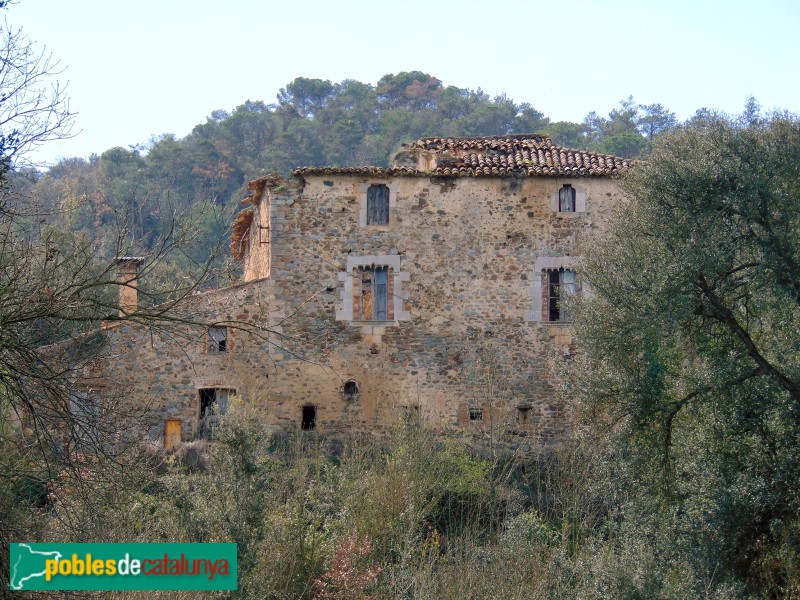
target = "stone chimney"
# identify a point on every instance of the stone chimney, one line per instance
(415, 158)
(128, 280)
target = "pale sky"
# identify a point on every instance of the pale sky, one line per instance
(137, 69)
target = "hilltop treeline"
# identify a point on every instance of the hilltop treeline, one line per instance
(136, 192)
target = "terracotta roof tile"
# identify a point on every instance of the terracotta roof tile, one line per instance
(528, 155)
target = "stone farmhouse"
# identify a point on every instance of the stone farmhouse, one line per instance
(439, 285)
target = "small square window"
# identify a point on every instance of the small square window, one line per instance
(217, 340)
(476, 414)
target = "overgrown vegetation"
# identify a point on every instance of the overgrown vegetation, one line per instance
(689, 371)
(416, 515)
(413, 515)
(56, 283)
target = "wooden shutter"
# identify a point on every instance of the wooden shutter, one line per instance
(367, 294)
(172, 435)
(567, 288)
(381, 296)
(378, 205)
(566, 199)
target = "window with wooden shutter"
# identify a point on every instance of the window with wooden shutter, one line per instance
(566, 199)
(373, 291)
(374, 300)
(378, 205)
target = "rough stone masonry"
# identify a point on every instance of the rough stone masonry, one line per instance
(440, 285)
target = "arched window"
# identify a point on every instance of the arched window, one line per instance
(378, 205)
(350, 390)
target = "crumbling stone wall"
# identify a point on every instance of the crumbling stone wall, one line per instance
(161, 369)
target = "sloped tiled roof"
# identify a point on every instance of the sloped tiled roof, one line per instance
(371, 171)
(525, 155)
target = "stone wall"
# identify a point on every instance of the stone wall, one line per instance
(465, 343)
(465, 258)
(161, 369)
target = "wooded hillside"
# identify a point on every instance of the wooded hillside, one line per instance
(134, 192)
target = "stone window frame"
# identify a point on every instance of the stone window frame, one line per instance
(363, 189)
(580, 198)
(396, 294)
(536, 291)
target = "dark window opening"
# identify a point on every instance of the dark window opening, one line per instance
(476, 414)
(350, 390)
(374, 294)
(213, 403)
(378, 205)
(523, 413)
(566, 199)
(560, 286)
(217, 339)
(309, 420)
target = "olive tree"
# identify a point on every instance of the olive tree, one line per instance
(690, 349)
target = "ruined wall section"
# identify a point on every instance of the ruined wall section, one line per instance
(468, 249)
(251, 235)
(161, 370)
